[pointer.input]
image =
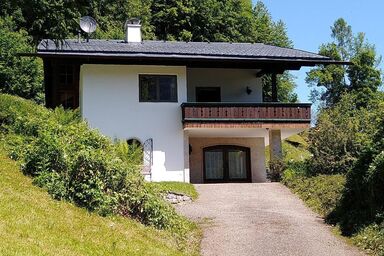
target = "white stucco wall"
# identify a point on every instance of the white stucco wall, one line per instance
(109, 99)
(233, 83)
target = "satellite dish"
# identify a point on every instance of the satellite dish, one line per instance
(88, 25)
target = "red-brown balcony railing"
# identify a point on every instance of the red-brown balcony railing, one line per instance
(246, 112)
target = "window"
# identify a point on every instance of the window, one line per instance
(134, 142)
(158, 88)
(67, 86)
(208, 94)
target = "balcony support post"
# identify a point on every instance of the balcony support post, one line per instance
(187, 151)
(275, 148)
(274, 87)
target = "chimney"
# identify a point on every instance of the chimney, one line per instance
(132, 29)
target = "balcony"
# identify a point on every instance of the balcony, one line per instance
(268, 115)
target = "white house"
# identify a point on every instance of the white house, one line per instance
(196, 107)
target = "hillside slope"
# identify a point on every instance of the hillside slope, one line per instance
(32, 223)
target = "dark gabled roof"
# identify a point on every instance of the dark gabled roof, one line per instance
(180, 50)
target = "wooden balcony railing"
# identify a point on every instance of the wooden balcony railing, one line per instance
(246, 112)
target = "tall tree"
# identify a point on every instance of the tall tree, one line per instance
(18, 75)
(332, 81)
(172, 19)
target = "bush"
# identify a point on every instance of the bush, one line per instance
(19, 76)
(276, 168)
(363, 203)
(77, 164)
(321, 193)
(340, 135)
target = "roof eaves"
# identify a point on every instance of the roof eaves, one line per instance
(105, 54)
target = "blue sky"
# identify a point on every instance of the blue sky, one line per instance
(308, 24)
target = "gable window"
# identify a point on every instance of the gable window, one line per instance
(158, 88)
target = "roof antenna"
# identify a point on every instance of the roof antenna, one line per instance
(88, 25)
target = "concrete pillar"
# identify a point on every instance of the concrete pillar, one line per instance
(258, 164)
(275, 148)
(186, 157)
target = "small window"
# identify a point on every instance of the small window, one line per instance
(158, 88)
(134, 142)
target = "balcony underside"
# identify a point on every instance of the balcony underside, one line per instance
(246, 115)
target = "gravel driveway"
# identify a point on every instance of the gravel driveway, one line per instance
(260, 219)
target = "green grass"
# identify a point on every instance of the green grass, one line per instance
(320, 193)
(32, 223)
(177, 187)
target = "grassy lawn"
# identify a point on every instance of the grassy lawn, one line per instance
(31, 223)
(177, 187)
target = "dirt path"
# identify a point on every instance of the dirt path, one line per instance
(260, 219)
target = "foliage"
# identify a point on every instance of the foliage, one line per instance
(131, 154)
(44, 18)
(79, 165)
(172, 19)
(362, 78)
(295, 149)
(32, 223)
(285, 88)
(20, 76)
(187, 189)
(341, 133)
(273, 33)
(276, 168)
(371, 239)
(347, 140)
(298, 140)
(321, 193)
(331, 77)
(363, 201)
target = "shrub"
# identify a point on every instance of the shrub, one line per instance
(80, 165)
(19, 76)
(363, 203)
(276, 167)
(340, 135)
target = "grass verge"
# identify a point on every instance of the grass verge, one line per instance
(322, 194)
(32, 223)
(177, 187)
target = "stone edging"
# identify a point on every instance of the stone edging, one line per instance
(175, 198)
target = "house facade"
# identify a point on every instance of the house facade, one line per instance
(196, 108)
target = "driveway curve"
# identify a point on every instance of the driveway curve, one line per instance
(260, 219)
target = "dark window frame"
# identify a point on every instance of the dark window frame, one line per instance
(173, 99)
(201, 89)
(65, 85)
(225, 149)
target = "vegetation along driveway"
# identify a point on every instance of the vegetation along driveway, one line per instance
(260, 219)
